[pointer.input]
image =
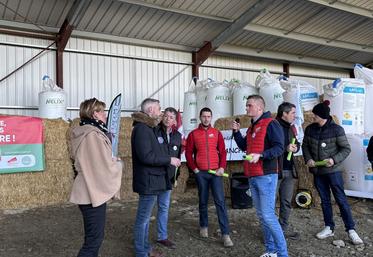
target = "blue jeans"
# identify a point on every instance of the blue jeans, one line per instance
(206, 180)
(263, 192)
(141, 229)
(94, 229)
(333, 182)
(162, 215)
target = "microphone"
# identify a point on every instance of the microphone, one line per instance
(238, 121)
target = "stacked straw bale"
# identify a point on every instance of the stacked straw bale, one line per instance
(52, 186)
(181, 187)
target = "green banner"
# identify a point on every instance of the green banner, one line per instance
(21, 158)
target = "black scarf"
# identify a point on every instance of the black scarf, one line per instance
(98, 124)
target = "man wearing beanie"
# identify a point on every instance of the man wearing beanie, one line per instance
(326, 141)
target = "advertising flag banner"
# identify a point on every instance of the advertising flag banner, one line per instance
(21, 144)
(113, 123)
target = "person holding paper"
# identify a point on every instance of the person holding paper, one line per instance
(325, 147)
(264, 146)
(166, 132)
(98, 174)
(205, 150)
(286, 116)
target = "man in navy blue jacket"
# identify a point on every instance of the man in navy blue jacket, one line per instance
(264, 143)
(150, 165)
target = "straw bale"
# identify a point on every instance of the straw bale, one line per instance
(55, 146)
(125, 137)
(24, 190)
(225, 123)
(126, 191)
(181, 187)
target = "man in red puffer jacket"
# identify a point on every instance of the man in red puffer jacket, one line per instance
(205, 150)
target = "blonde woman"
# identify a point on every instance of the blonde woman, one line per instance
(98, 175)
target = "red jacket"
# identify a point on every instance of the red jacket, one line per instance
(208, 148)
(255, 144)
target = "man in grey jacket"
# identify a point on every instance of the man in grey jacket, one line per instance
(324, 147)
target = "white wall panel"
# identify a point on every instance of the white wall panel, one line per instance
(104, 69)
(316, 76)
(22, 88)
(222, 68)
(94, 69)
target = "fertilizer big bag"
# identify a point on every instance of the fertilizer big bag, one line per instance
(270, 90)
(347, 102)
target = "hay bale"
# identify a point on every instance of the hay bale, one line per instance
(25, 190)
(225, 123)
(126, 191)
(55, 136)
(182, 180)
(125, 137)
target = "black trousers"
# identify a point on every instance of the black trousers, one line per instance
(94, 229)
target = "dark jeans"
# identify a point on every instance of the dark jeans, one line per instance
(94, 229)
(333, 182)
(206, 180)
(285, 190)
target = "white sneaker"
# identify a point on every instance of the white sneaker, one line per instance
(203, 232)
(269, 255)
(326, 232)
(227, 241)
(356, 240)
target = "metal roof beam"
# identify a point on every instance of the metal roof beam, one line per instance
(241, 22)
(72, 19)
(204, 52)
(308, 38)
(345, 7)
(175, 10)
(131, 41)
(283, 57)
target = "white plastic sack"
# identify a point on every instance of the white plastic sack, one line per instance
(52, 100)
(219, 100)
(309, 96)
(366, 75)
(347, 102)
(270, 90)
(240, 94)
(358, 175)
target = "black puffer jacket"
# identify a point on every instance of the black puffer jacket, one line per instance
(370, 151)
(328, 141)
(288, 135)
(149, 156)
(173, 149)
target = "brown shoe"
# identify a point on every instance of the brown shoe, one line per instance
(167, 243)
(155, 253)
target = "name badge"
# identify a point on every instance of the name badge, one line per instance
(160, 140)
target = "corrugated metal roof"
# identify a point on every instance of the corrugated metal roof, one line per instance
(365, 4)
(191, 23)
(220, 8)
(50, 13)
